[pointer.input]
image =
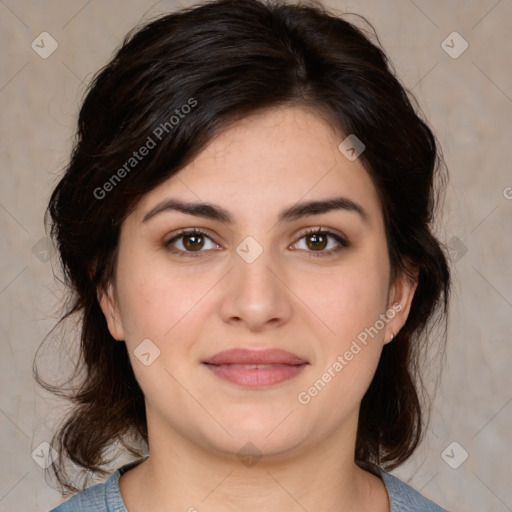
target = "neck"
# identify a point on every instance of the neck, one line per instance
(181, 475)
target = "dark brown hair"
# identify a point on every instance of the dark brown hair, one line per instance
(227, 59)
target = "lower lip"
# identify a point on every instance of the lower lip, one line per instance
(256, 377)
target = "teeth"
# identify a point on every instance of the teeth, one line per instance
(253, 366)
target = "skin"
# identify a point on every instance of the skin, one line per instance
(195, 306)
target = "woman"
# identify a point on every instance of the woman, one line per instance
(246, 230)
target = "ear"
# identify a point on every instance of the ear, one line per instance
(400, 297)
(110, 308)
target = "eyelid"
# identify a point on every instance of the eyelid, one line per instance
(324, 230)
(183, 232)
(340, 238)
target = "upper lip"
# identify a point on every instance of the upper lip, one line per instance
(248, 356)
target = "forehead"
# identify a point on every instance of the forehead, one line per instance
(267, 161)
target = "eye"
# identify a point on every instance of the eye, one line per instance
(194, 241)
(191, 241)
(317, 240)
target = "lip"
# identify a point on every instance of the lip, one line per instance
(234, 366)
(247, 356)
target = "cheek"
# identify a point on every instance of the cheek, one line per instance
(353, 299)
(348, 359)
(156, 300)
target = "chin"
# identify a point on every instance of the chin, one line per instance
(268, 433)
(256, 446)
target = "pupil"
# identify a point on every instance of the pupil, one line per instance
(194, 245)
(318, 241)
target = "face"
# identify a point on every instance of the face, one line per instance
(261, 283)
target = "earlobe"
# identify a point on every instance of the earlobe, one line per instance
(110, 310)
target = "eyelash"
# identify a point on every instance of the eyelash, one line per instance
(315, 254)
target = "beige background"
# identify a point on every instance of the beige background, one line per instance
(468, 101)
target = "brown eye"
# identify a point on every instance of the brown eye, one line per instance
(191, 241)
(317, 241)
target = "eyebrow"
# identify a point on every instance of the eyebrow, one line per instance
(297, 211)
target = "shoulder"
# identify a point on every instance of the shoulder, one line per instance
(104, 497)
(97, 498)
(403, 498)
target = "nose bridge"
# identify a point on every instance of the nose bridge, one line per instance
(256, 294)
(255, 266)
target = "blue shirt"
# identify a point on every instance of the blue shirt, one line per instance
(106, 497)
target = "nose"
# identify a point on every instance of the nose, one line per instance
(256, 294)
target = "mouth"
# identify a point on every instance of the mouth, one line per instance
(255, 368)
